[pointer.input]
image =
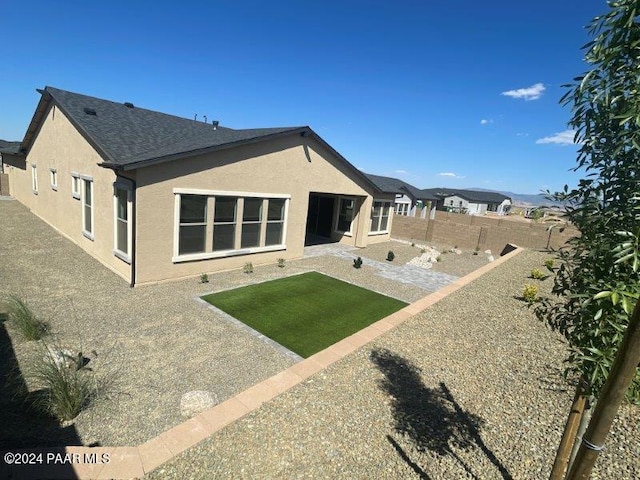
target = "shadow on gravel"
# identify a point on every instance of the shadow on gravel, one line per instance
(430, 418)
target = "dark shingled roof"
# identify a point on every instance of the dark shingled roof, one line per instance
(133, 136)
(474, 196)
(394, 185)
(9, 147)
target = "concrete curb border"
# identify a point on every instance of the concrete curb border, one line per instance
(135, 462)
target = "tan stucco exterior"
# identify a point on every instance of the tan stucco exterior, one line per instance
(60, 146)
(292, 165)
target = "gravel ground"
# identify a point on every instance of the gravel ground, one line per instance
(471, 388)
(156, 342)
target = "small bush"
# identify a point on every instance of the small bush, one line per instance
(439, 258)
(536, 274)
(530, 293)
(549, 263)
(357, 263)
(476, 251)
(413, 244)
(204, 278)
(423, 250)
(248, 267)
(390, 256)
(25, 321)
(66, 386)
(281, 262)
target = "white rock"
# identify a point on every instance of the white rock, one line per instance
(62, 358)
(490, 258)
(197, 401)
(488, 252)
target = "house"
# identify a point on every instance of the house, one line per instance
(409, 200)
(472, 202)
(7, 148)
(157, 197)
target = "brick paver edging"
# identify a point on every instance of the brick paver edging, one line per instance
(134, 462)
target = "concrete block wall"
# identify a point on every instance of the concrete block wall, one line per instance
(469, 232)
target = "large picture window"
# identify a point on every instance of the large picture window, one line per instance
(380, 217)
(240, 223)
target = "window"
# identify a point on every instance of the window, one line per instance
(402, 208)
(380, 217)
(122, 208)
(224, 223)
(275, 221)
(193, 224)
(87, 207)
(53, 173)
(251, 222)
(345, 215)
(239, 223)
(34, 178)
(75, 185)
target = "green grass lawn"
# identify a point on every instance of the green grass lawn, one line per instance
(305, 313)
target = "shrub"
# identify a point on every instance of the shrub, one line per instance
(476, 251)
(204, 278)
(390, 256)
(530, 293)
(357, 263)
(25, 321)
(66, 385)
(439, 258)
(248, 267)
(549, 263)
(536, 274)
(281, 262)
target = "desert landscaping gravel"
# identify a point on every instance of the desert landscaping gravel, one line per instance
(470, 388)
(156, 343)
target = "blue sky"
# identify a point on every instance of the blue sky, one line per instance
(449, 93)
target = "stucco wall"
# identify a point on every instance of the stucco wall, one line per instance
(291, 165)
(59, 145)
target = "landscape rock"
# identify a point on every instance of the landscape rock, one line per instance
(62, 358)
(197, 401)
(490, 258)
(488, 252)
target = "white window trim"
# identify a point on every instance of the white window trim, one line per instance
(177, 258)
(34, 178)
(75, 193)
(129, 189)
(89, 235)
(386, 231)
(348, 233)
(53, 173)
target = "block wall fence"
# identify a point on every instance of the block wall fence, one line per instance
(471, 232)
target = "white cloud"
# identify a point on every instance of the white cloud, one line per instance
(449, 174)
(534, 92)
(485, 121)
(519, 134)
(399, 171)
(561, 138)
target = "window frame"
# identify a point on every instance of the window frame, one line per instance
(240, 196)
(34, 178)
(385, 204)
(75, 193)
(83, 188)
(128, 188)
(53, 175)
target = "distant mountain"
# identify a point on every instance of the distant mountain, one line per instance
(532, 199)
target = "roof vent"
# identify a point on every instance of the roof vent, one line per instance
(128, 104)
(215, 124)
(90, 111)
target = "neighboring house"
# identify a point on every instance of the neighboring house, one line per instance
(409, 200)
(157, 197)
(7, 148)
(472, 202)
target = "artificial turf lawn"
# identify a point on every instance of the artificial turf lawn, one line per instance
(305, 313)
